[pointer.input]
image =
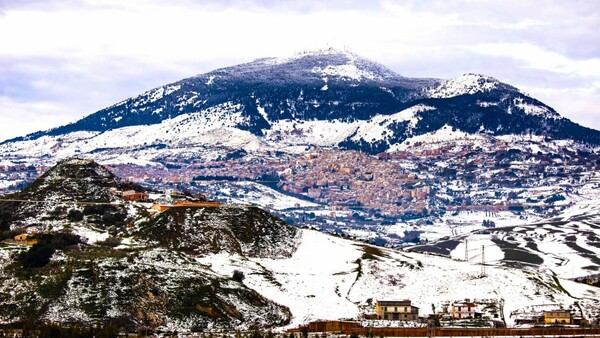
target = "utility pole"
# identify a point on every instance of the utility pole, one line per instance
(431, 325)
(466, 250)
(482, 261)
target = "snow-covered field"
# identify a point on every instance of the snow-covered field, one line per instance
(330, 278)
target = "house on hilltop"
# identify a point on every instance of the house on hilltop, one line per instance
(396, 310)
(197, 204)
(132, 195)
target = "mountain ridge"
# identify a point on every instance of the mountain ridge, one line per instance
(329, 86)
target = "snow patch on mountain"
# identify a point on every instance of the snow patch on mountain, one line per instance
(321, 132)
(533, 109)
(308, 53)
(154, 95)
(211, 80)
(349, 72)
(213, 126)
(378, 128)
(465, 84)
(259, 195)
(442, 135)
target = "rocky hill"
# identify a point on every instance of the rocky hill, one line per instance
(92, 255)
(71, 189)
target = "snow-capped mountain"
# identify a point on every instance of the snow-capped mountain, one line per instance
(326, 98)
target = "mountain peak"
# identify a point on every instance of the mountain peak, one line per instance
(320, 63)
(315, 53)
(75, 179)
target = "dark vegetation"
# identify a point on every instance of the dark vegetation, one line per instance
(40, 253)
(593, 280)
(54, 330)
(515, 255)
(238, 276)
(244, 230)
(372, 252)
(489, 223)
(443, 247)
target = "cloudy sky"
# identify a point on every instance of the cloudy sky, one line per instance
(61, 60)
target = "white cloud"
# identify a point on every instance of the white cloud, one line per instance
(535, 57)
(78, 56)
(21, 118)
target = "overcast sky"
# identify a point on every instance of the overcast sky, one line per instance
(63, 60)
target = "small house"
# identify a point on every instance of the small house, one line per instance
(25, 239)
(161, 207)
(557, 317)
(21, 237)
(463, 310)
(132, 195)
(396, 310)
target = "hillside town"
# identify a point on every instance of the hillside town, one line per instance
(357, 189)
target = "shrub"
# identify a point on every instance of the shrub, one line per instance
(110, 242)
(37, 256)
(40, 253)
(238, 276)
(112, 218)
(75, 215)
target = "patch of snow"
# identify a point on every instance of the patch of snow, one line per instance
(261, 111)
(465, 84)
(347, 71)
(442, 135)
(377, 128)
(171, 89)
(89, 235)
(260, 195)
(537, 110)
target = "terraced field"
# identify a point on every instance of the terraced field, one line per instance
(568, 245)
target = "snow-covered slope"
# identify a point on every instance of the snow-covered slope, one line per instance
(567, 245)
(463, 85)
(340, 283)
